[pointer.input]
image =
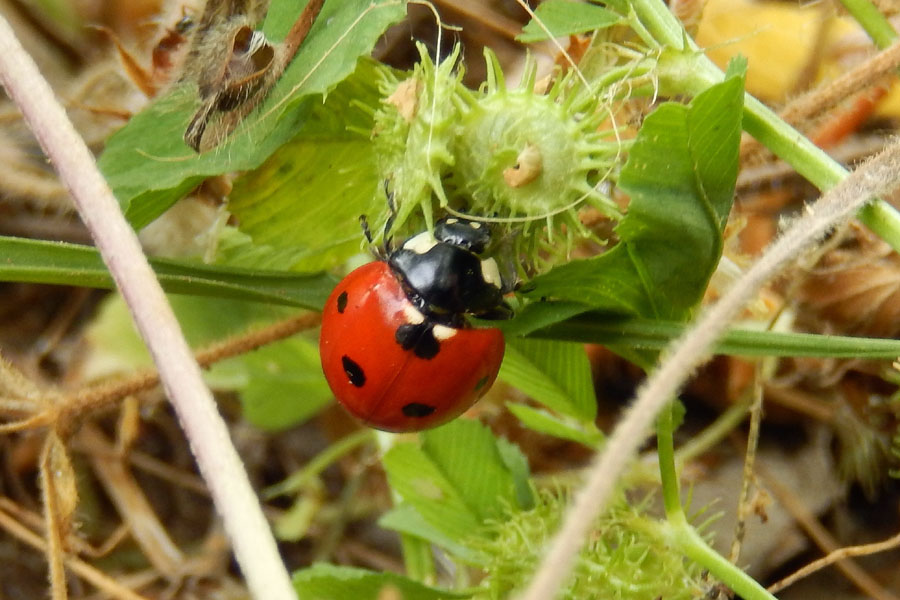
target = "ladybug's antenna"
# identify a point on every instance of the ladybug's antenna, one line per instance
(385, 250)
(392, 211)
(364, 223)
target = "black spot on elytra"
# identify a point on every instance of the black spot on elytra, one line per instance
(417, 410)
(481, 383)
(342, 302)
(354, 371)
(419, 338)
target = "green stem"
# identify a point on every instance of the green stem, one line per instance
(319, 463)
(724, 424)
(665, 449)
(759, 121)
(787, 143)
(661, 23)
(696, 548)
(683, 534)
(871, 19)
(884, 220)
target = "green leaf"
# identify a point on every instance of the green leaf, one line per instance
(556, 374)
(457, 479)
(538, 315)
(330, 582)
(407, 520)
(469, 456)
(420, 482)
(284, 384)
(680, 175)
(565, 17)
(517, 464)
(149, 166)
(318, 219)
(561, 427)
(70, 264)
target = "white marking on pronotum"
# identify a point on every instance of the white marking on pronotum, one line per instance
(491, 272)
(421, 243)
(412, 314)
(442, 332)
(474, 224)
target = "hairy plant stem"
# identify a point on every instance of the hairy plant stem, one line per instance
(848, 193)
(879, 175)
(219, 463)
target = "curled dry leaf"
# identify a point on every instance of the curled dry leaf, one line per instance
(854, 289)
(235, 65)
(232, 64)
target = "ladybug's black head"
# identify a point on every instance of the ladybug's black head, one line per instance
(445, 277)
(473, 236)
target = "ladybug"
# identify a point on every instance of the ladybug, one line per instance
(396, 347)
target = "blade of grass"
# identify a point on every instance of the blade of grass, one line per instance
(37, 261)
(656, 335)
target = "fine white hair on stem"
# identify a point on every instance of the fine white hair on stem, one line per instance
(877, 176)
(220, 465)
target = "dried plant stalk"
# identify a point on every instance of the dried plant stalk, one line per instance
(876, 177)
(254, 546)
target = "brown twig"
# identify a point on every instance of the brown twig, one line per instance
(105, 395)
(132, 505)
(299, 30)
(55, 526)
(747, 476)
(835, 556)
(824, 540)
(93, 576)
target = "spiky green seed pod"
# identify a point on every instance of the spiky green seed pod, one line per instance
(524, 156)
(413, 133)
(630, 555)
(513, 157)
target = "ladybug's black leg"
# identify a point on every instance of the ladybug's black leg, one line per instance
(418, 337)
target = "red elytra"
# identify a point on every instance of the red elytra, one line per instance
(378, 381)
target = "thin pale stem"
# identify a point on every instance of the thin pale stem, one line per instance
(879, 175)
(254, 546)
